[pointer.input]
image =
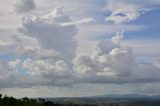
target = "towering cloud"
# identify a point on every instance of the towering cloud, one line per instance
(45, 51)
(110, 62)
(51, 35)
(44, 54)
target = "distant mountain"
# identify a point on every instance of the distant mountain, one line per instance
(105, 99)
(128, 96)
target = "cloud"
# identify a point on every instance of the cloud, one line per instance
(27, 73)
(51, 34)
(43, 54)
(57, 74)
(42, 49)
(147, 88)
(110, 62)
(4, 45)
(157, 64)
(82, 21)
(123, 12)
(24, 6)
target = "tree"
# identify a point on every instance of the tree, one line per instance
(0, 96)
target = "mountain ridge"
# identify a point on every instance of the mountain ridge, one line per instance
(127, 96)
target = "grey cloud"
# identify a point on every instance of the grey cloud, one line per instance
(24, 6)
(48, 31)
(147, 88)
(46, 52)
(47, 48)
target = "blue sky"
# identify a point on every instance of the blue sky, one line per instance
(151, 21)
(79, 47)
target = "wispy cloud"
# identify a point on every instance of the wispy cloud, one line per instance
(123, 12)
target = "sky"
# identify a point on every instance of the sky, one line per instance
(77, 48)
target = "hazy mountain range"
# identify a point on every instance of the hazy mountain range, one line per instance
(126, 96)
(109, 98)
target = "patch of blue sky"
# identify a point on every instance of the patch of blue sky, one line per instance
(148, 18)
(8, 57)
(151, 21)
(142, 35)
(25, 57)
(5, 57)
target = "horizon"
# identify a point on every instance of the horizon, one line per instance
(79, 48)
(109, 96)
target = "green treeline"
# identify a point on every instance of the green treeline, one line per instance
(11, 101)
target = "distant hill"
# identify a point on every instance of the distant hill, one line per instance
(128, 96)
(105, 99)
(11, 101)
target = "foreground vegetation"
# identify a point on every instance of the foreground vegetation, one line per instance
(10, 101)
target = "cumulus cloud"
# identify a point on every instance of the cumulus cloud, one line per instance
(24, 6)
(48, 31)
(45, 51)
(44, 54)
(29, 72)
(110, 62)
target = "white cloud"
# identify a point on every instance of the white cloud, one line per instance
(117, 39)
(56, 74)
(82, 21)
(27, 73)
(110, 62)
(123, 12)
(46, 42)
(46, 52)
(48, 31)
